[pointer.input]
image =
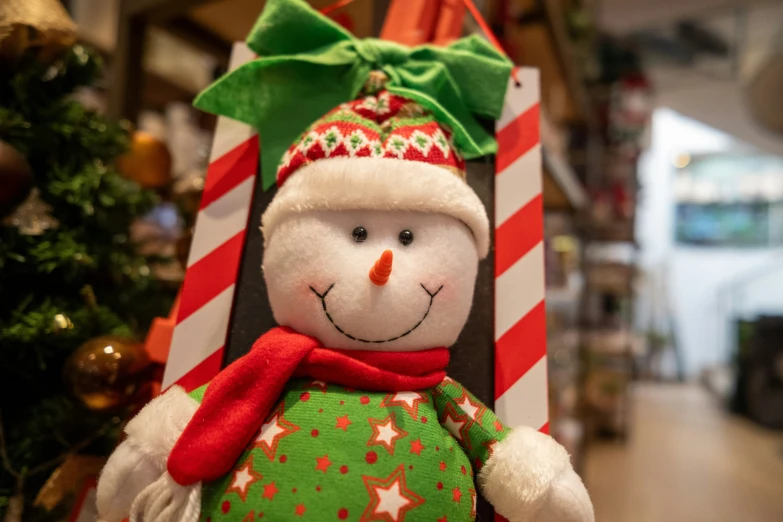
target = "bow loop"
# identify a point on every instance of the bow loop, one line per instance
(308, 65)
(379, 53)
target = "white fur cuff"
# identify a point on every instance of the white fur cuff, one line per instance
(156, 428)
(379, 184)
(518, 475)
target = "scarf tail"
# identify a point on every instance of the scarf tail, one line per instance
(235, 405)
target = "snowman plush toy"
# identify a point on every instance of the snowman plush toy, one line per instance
(345, 411)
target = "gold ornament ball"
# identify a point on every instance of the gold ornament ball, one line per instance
(107, 372)
(148, 162)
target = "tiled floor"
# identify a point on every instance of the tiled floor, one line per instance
(687, 461)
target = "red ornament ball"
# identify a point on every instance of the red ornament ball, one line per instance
(16, 178)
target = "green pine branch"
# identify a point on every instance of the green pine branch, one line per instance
(86, 269)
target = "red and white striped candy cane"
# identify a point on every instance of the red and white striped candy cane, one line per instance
(521, 396)
(200, 335)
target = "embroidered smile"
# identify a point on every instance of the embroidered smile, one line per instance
(349, 336)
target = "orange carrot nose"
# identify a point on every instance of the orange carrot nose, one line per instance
(381, 270)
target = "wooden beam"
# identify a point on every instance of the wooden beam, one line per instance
(556, 23)
(160, 10)
(197, 36)
(127, 68)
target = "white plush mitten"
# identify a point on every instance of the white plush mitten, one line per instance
(128, 471)
(529, 478)
(141, 459)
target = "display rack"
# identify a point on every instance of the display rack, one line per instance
(609, 345)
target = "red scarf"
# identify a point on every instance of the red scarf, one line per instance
(240, 398)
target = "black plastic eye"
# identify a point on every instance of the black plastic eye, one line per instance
(359, 234)
(406, 237)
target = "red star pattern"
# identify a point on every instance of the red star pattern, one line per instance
(300, 509)
(456, 495)
(443, 519)
(250, 517)
(473, 502)
(323, 463)
(273, 430)
(390, 498)
(442, 466)
(243, 478)
(498, 425)
(321, 385)
(474, 410)
(417, 446)
(343, 423)
(409, 401)
(490, 445)
(385, 433)
(270, 490)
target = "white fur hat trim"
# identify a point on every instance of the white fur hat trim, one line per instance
(379, 184)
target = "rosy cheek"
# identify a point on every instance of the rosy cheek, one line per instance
(443, 286)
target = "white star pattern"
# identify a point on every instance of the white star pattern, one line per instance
(270, 430)
(387, 433)
(391, 500)
(453, 425)
(468, 407)
(409, 398)
(242, 478)
(409, 401)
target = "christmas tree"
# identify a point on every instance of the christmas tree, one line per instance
(69, 271)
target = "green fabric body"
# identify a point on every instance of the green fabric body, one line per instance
(353, 455)
(308, 65)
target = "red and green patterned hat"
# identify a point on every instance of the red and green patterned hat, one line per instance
(380, 151)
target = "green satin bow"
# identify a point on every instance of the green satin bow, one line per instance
(309, 65)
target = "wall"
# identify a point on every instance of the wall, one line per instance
(692, 281)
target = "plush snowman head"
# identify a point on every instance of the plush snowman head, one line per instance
(320, 268)
(374, 237)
